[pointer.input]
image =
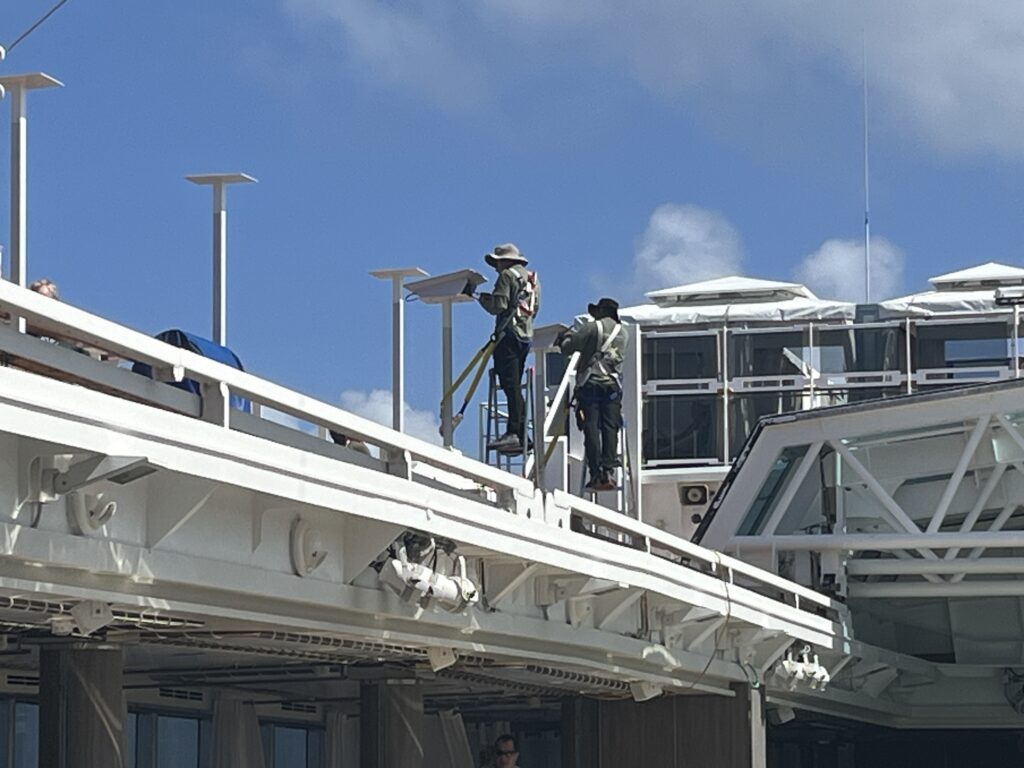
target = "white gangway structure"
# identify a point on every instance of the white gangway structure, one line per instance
(146, 519)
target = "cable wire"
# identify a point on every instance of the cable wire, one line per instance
(35, 26)
(717, 636)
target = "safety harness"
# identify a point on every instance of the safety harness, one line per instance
(523, 303)
(602, 361)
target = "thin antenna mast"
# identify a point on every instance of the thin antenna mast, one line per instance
(867, 188)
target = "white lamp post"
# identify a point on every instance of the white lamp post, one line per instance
(19, 86)
(219, 182)
(397, 277)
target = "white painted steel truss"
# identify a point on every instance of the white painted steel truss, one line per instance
(908, 509)
(920, 489)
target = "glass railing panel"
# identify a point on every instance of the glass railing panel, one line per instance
(746, 410)
(768, 353)
(867, 356)
(679, 356)
(682, 429)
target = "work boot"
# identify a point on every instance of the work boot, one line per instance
(507, 443)
(605, 483)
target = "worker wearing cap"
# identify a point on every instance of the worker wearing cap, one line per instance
(601, 342)
(514, 302)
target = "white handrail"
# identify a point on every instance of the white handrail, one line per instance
(62, 319)
(540, 446)
(664, 540)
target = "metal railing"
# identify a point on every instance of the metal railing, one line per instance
(823, 373)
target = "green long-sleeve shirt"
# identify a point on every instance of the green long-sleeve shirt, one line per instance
(587, 340)
(503, 299)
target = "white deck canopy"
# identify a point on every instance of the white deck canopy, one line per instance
(736, 299)
(965, 291)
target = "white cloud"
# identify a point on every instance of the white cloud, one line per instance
(683, 244)
(836, 270)
(944, 70)
(411, 44)
(375, 405)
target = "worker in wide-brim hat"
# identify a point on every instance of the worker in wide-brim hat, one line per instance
(601, 342)
(514, 302)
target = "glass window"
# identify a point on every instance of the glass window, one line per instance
(962, 345)
(759, 511)
(315, 748)
(860, 349)
(746, 410)
(132, 738)
(26, 735)
(177, 742)
(767, 354)
(680, 357)
(555, 364)
(682, 427)
(289, 747)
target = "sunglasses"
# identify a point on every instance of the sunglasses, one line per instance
(505, 752)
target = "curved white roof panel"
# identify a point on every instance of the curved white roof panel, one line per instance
(964, 292)
(729, 290)
(990, 274)
(790, 310)
(932, 303)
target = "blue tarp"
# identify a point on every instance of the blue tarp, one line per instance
(204, 347)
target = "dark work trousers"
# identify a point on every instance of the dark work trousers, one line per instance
(601, 405)
(509, 360)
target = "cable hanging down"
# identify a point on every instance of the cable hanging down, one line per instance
(4, 51)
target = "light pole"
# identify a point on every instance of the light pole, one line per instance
(19, 86)
(219, 182)
(397, 277)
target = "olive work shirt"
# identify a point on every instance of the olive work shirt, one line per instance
(587, 340)
(505, 298)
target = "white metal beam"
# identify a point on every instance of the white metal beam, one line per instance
(979, 504)
(980, 428)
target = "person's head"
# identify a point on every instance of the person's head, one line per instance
(604, 308)
(46, 288)
(506, 753)
(504, 256)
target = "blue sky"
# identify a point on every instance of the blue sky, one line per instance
(624, 147)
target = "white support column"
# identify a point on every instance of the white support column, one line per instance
(447, 427)
(724, 367)
(397, 277)
(19, 86)
(633, 413)
(219, 182)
